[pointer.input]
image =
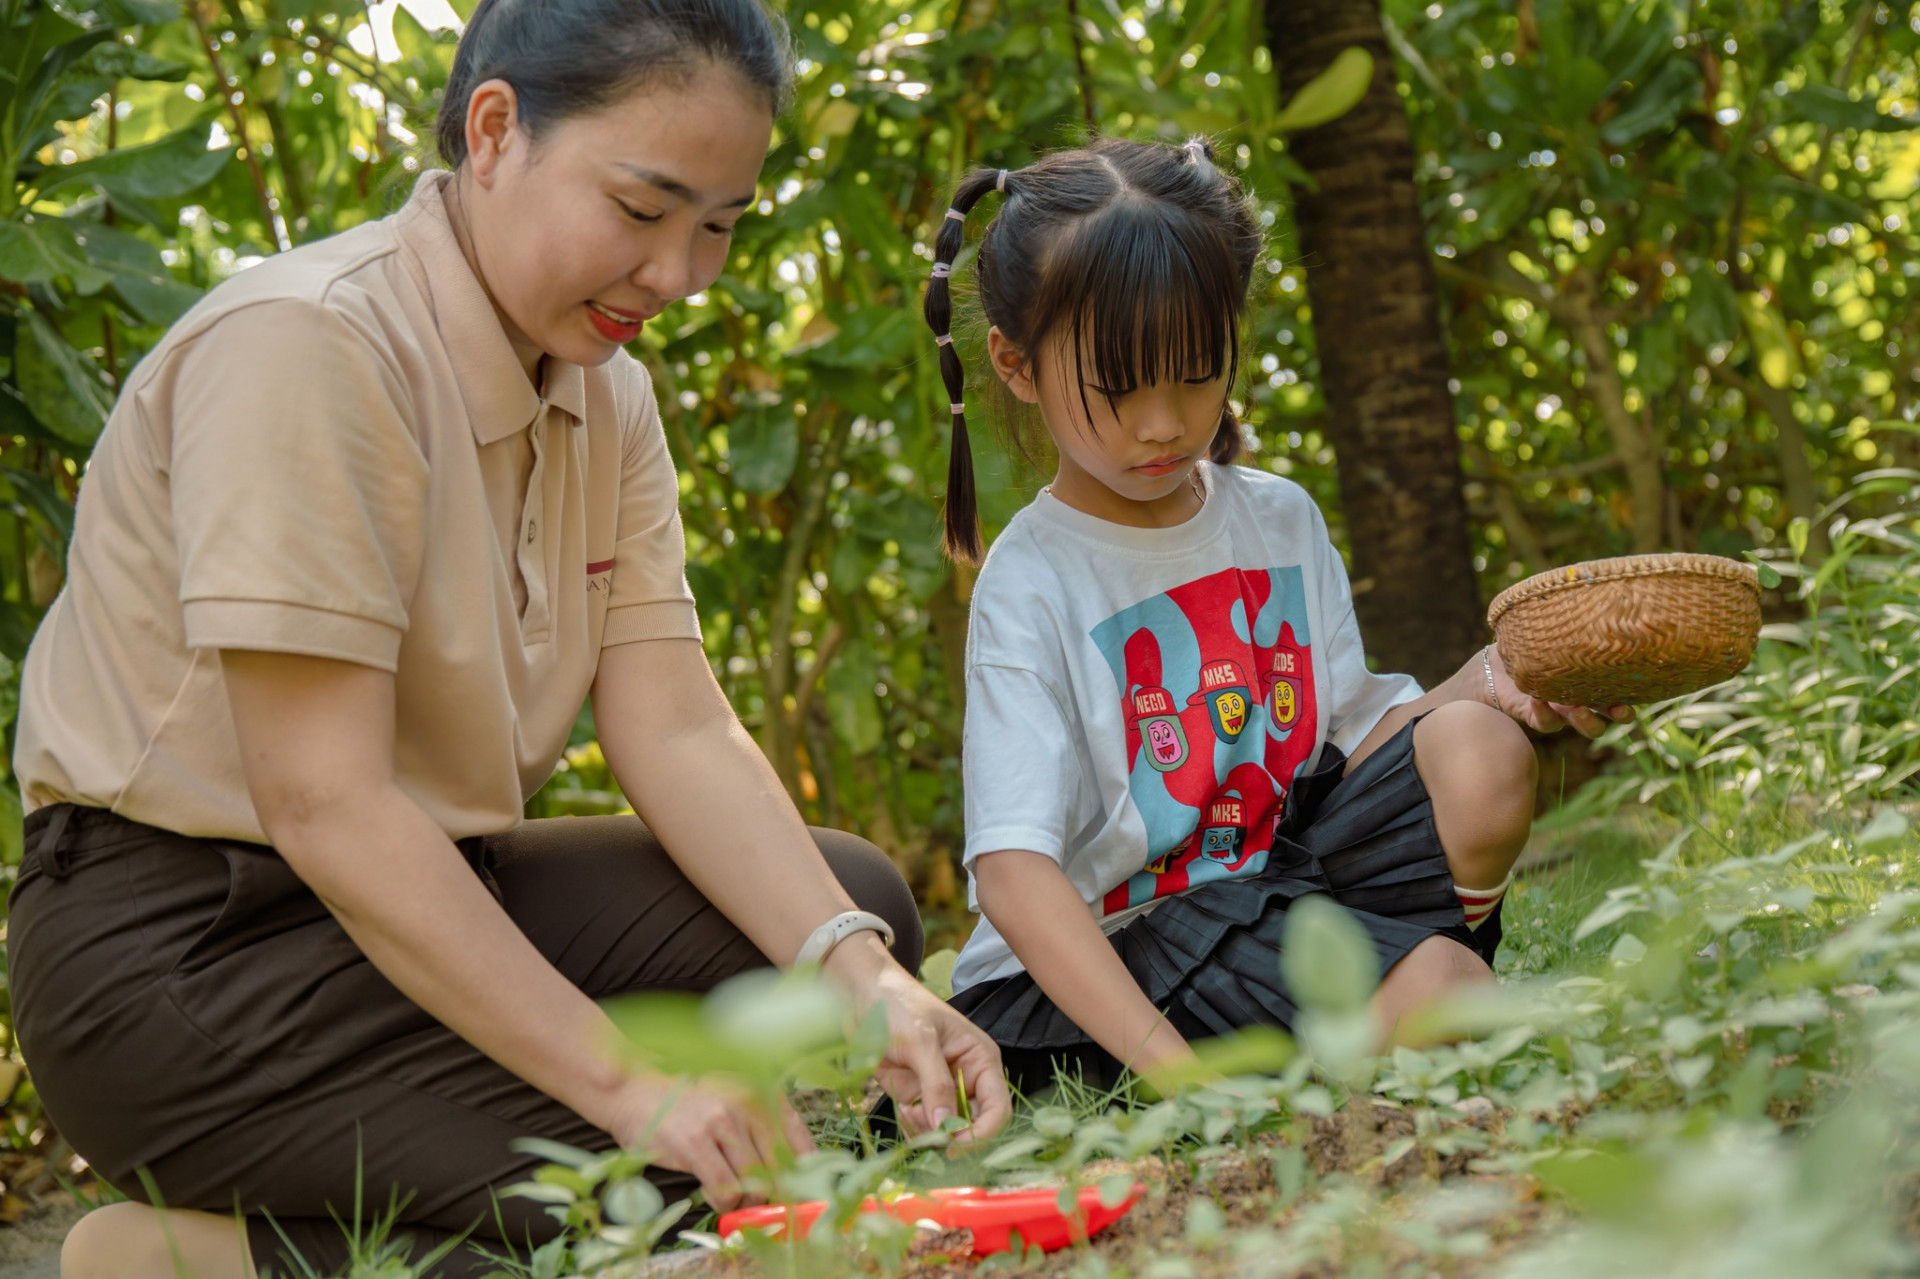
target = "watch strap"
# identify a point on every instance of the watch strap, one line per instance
(838, 929)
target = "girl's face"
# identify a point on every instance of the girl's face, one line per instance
(1128, 460)
(588, 233)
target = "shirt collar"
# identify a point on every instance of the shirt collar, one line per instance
(499, 399)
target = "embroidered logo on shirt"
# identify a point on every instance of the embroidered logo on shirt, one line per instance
(1209, 758)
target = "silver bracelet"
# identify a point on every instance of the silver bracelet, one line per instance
(836, 930)
(1486, 664)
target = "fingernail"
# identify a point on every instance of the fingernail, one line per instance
(940, 1115)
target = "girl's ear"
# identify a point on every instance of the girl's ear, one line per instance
(1011, 363)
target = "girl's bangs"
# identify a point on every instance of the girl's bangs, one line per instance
(1146, 295)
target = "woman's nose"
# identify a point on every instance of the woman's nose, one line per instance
(668, 273)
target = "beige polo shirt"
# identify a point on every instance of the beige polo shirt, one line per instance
(336, 453)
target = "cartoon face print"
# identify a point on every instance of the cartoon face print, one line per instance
(1222, 843)
(1166, 742)
(1231, 707)
(1286, 702)
(1227, 694)
(1159, 865)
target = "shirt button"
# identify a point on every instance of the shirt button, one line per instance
(529, 532)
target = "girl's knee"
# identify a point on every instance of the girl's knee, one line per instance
(1425, 975)
(1473, 755)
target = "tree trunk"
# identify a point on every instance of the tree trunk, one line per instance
(1383, 357)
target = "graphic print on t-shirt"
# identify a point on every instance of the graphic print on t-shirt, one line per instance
(1216, 685)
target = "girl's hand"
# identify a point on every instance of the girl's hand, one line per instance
(708, 1129)
(932, 1047)
(1545, 717)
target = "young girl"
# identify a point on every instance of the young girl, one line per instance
(1171, 730)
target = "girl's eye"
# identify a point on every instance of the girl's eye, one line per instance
(719, 229)
(638, 216)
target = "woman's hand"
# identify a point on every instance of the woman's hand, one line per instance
(715, 1132)
(931, 1045)
(1546, 717)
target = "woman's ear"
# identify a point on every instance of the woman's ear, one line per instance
(493, 128)
(1011, 363)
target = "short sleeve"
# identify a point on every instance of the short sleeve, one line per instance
(298, 487)
(1356, 697)
(650, 598)
(1021, 767)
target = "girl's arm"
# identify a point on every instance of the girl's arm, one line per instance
(1042, 917)
(1469, 684)
(688, 766)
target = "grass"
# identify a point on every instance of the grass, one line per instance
(1703, 1059)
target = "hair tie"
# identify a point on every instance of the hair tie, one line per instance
(956, 215)
(941, 270)
(1195, 145)
(958, 409)
(943, 339)
(1000, 183)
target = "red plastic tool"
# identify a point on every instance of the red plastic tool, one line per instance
(992, 1215)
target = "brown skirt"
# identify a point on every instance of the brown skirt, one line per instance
(189, 1008)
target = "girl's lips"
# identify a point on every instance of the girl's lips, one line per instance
(1161, 466)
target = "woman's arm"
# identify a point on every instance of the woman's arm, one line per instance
(316, 740)
(1043, 918)
(1469, 684)
(689, 768)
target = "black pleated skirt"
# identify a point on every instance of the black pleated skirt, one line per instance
(1210, 957)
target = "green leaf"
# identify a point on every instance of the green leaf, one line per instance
(1769, 575)
(1327, 958)
(37, 494)
(140, 277)
(45, 250)
(1832, 107)
(1329, 95)
(1888, 827)
(1656, 105)
(634, 1201)
(1774, 348)
(852, 706)
(762, 449)
(60, 385)
(1713, 313)
(174, 166)
(870, 338)
(936, 972)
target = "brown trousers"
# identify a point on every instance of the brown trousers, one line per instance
(188, 1007)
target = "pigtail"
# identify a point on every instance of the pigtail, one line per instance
(961, 511)
(1225, 449)
(1227, 440)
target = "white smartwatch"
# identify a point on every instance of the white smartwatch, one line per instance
(837, 930)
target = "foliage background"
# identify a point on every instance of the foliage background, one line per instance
(1676, 242)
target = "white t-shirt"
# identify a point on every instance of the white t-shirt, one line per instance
(1139, 700)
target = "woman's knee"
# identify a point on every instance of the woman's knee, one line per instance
(876, 885)
(134, 1241)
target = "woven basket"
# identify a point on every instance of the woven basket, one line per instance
(1635, 629)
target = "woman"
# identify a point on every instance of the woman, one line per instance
(361, 534)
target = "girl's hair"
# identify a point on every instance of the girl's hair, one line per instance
(568, 57)
(1140, 253)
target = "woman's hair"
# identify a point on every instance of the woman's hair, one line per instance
(568, 57)
(1140, 254)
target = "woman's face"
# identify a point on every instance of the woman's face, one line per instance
(587, 233)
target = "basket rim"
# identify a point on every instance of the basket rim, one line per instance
(1623, 568)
